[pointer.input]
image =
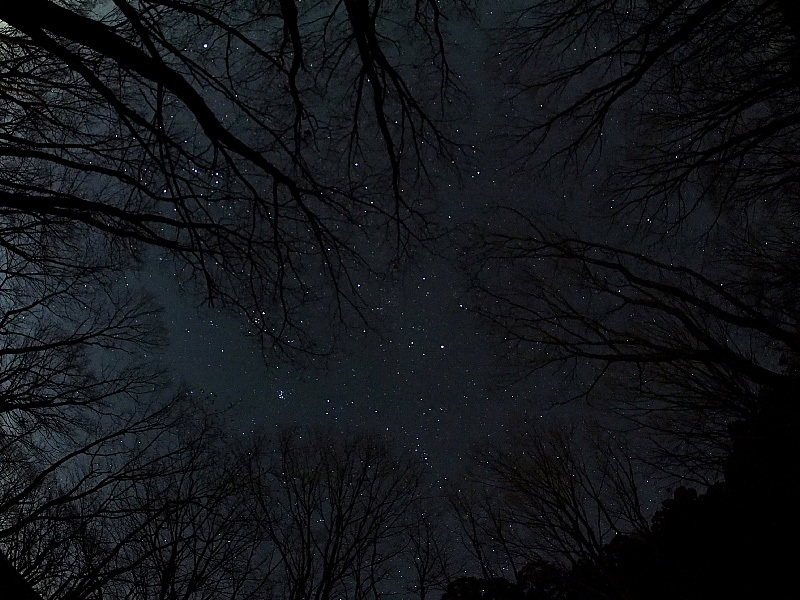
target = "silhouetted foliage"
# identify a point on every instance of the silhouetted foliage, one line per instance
(537, 495)
(472, 588)
(728, 541)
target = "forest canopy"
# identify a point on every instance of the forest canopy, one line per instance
(640, 257)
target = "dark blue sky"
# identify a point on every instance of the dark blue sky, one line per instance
(428, 373)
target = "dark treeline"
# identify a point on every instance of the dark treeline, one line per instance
(325, 514)
(728, 540)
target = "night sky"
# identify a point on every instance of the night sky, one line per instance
(548, 248)
(426, 373)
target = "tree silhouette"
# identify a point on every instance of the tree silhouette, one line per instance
(546, 497)
(472, 588)
(430, 550)
(187, 535)
(727, 540)
(334, 512)
(15, 585)
(676, 300)
(147, 510)
(227, 135)
(676, 350)
(701, 90)
(227, 138)
(76, 387)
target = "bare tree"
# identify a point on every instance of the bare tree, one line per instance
(540, 496)
(676, 302)
(228, 135)
(679, 352)
(701, 91)
(144, 510)
(75, 385)
(187, 535)
(430, 552)
(57, 487)
(335, 512)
